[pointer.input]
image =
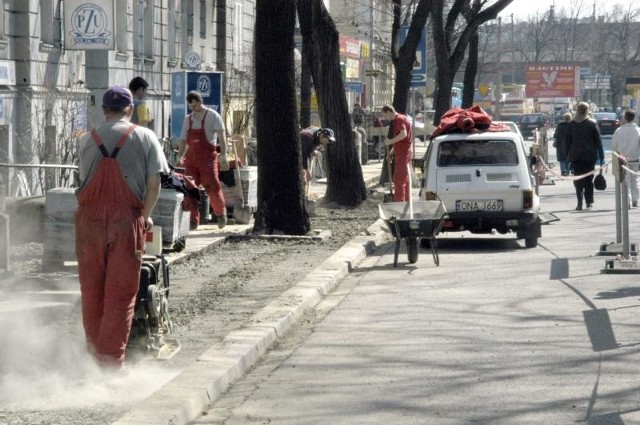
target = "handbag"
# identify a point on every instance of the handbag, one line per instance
(599, 182)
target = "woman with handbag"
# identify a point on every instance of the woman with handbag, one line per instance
(583, 147)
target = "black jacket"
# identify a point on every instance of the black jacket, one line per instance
(559, 140)
(583, 142)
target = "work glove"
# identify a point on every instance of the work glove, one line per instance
(223, 163)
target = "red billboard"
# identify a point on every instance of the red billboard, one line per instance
(552, 80)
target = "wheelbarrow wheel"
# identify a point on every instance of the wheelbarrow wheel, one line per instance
(412, 250)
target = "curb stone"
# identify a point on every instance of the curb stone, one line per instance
(183, 399)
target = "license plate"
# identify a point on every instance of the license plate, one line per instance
(484, 205)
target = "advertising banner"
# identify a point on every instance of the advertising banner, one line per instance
(209, 84)
(552, 80)
(90, 24)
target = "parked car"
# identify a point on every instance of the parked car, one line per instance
(528, 123)
(513, 127)
(608, 122)
(485, 183)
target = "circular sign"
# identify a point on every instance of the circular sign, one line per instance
(483, 89)
(192, 60)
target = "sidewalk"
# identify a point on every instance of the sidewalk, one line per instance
(181, 400)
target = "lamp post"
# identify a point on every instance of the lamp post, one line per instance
(498, 91)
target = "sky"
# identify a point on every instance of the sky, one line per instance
(522, 9)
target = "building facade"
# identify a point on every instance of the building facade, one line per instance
(51, 93)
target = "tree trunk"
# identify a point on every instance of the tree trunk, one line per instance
(404, 56)
(442, 95)
(345, 183)
(305, 89)
(449, 52)
(281, 205)
(470, 72)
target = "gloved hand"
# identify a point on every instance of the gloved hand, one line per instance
(223, 163)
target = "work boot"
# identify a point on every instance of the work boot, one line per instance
(222, 221)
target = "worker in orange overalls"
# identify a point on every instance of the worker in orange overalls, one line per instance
(400, 127)
(120, 165)
(202, 135)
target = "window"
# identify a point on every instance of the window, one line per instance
(148, 28)
(143, 28)
(477, 152)
(3, 34)
(173, 24)
(122, 41)
(238, 53)
(203, 19)
(50, 22)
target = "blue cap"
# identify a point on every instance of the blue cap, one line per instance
(117, 98)
(328, 132)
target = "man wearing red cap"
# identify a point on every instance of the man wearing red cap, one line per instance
(400, 128)
(119, 165)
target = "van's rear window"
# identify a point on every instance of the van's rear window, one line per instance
(453, 153)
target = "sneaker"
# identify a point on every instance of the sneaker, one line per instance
(579, 207)
(589, 206)
(222, 221)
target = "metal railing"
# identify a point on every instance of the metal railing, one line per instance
(41, 178)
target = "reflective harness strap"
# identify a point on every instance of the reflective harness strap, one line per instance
(123, 138)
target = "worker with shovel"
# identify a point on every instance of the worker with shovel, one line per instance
(311, 138)
(400, 143)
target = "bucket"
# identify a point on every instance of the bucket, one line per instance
(153, 241)
(205, 213)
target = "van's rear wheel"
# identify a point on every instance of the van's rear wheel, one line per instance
(531, 242)
(412, 250)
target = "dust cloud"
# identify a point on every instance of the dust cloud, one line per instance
(44, 365)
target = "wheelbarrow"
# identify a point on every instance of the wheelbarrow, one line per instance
(411, 221)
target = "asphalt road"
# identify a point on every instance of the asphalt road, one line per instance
(498, 334)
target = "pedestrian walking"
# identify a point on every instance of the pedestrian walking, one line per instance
(583, 147)
(311, 139)
(357, 115)
(120, 165)
(203, 150)
(626, 142)
(142, 114)
(559, 140)
(399, 140)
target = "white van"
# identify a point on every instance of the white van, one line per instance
(485, 182)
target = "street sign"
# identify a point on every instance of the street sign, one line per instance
(353, 86)
(419, 71)
(597, 81)
(372, 72)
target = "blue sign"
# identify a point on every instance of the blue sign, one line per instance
(419, 72)
(209, 84)
(353, 86)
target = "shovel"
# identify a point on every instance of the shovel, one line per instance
(310, 204)
(388, 197)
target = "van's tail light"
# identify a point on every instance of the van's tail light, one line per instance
(430, 196)
(527, 199)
